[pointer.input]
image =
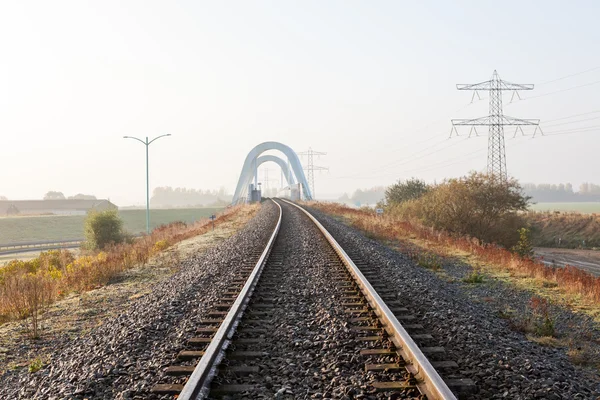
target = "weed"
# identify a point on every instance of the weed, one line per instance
(35, 365)
(473, 277)
(429, 261)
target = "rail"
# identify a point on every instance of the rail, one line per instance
(197, 386)
(21, 247)
(419, 365)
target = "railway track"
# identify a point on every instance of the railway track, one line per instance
(304, 319)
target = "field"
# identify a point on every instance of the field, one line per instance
(54, 227)
(587, 208)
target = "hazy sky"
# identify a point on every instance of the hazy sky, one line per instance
(372, 83)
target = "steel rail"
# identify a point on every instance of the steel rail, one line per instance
(433, 386)
(197, 386)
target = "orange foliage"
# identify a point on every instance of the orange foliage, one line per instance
(573, 280)
(56, 273)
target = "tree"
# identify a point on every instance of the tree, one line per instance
(477, 205)
(103, 228)
(52, 195)
(80, 196)
(404, 191)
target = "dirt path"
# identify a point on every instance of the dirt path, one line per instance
(78, 313)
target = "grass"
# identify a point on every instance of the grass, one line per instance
(568, 207)
(35, 365)
(573, 229)
(57, 227)
(569, 280)
(473, 277)
(28, 288)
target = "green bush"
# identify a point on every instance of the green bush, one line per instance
(407, 190)
(473, 277)
(477, 205)
(103, 228)
(524, 248)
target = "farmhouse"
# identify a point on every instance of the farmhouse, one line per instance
(54, 207)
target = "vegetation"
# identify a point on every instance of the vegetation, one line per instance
(563, 192)
(53, 195)
(524, 248)
(362, 197)
(392, 227)
(27, 288)
(57, 227)
(473, 277)
(583, 207)
(537, 319)
(477, 205)
(103, 228)
(429, 261)
(404, 191)
(168, 197)
(35, 365)
(569, 230)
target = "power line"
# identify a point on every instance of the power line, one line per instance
(568, 76)
(562, 90)
(311, 168)
(495, 121)
(573, 116)
(572, 122)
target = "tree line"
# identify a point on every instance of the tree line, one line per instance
(168, 197)
(562, 192)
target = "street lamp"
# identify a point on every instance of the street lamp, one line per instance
(147, 143)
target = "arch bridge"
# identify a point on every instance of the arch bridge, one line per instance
(292, 170)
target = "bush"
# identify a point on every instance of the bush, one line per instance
(473, 277)
(524, 247)
(103, 228)
(401, 192)
(477, 205)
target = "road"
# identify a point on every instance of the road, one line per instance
(588, 260)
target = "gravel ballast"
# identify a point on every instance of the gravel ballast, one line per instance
(309, 352)
(502, 362)
(126, 356)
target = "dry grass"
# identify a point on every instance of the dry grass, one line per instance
(570, 279)
(27, 288)
(574, 229)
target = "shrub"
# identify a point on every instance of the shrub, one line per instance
(477, 205)
(35, 365)
(401, 192)
(429, 261)
(103, 228)
(473, 277)
(524, 248)
(160, 246)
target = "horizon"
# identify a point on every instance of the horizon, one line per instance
(373, 85)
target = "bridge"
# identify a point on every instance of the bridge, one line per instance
(291, 167)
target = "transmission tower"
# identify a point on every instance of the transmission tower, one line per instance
(496, 120)
(311, 167)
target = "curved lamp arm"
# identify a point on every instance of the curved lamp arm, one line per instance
(131, 137)
(158, 137)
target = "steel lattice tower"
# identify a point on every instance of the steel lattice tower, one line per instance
(311, 167)
(496, 120)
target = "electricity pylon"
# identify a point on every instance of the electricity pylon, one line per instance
(496, 120)
(311, 167)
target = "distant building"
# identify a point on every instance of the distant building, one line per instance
(54, 207)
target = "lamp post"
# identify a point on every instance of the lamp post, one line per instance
(147, 143)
